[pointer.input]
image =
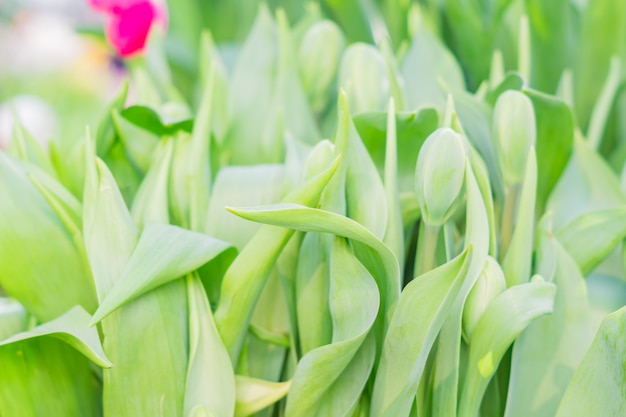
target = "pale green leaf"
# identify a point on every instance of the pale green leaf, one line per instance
(548, 352)
(329, 379)
(72, 328)
(517, 260)
(505, 318)
(210, 377)
(163, 253)
(419, 315)
(255, 394)
(591, 237)
(597, 387)
(247, 275)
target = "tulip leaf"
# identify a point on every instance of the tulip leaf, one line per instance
(555, 139)
(505, 318)
(419, 315)
(548, 352)
(42, 266)
(329, 379)
(163, 253)
(148, 119)
(71, 328)
(597, 387)
(587, 184)
(210, 376)
(590, 237)
(247, 275)
(376, 256)
(255, 394)
(517, 261)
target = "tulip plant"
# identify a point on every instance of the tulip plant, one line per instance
(327, 226)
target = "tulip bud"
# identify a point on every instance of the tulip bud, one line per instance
(319, 159)
(440, 175)
(363, 75)
(489, 285)
(319, 56)
(515, 132)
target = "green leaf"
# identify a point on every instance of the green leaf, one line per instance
(151, 203)
(376, 257)
(597, 387)
(429, 70)
(42, 264)
(148, 119)
(255, 394)
(329, 379)
(587, 184)
(191, 169)
(548, 352)
(151, 329)
(591, 237)
(505, 318)
(248, 274)
(242, 185)
(602, 35)
(105, 135)
(163, 253)
(512, 81)
(45, 376)
(555, 139)
(210, 376)
(13, 317)
(517, 260)
(312, 288)
(43, 371)
(252, 85)
(552, 27)
(72, 328)
(393, 237)
(419, 315)
(447, 364)
(25, 147)
(412, 129)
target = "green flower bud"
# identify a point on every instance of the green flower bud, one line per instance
(319, 56)
(489, 285)
(321, 156)
(363, 75)
(515, 132)
(439, 175)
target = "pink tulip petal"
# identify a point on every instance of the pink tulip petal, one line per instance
(127, 29)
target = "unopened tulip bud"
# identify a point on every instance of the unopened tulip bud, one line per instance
(515, 132)
(489, 285)
(319, 56)
(363, 75)
(440, 175)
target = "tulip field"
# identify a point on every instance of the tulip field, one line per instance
(355, 208)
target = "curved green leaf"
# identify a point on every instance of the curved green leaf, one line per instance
(328, 380)
(210, 376)
(72, 328)
(247, 275)
(505, 318)
(419, 315)
(255, 394)
(597, 387)
(548, 352)
(163, 253)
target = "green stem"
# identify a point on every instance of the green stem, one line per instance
(508, 218)
(426, 249)
(448, 236)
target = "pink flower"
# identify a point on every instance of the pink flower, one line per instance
(129, 22)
